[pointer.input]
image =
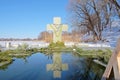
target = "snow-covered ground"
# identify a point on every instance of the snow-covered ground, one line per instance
(15, 44)
(109, 34)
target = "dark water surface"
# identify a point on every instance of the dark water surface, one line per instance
(58, 66)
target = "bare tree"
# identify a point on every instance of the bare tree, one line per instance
(91, 15)
(116, 6)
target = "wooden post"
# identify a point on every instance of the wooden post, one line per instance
(118, 57)
(118, 60)
(114, 63)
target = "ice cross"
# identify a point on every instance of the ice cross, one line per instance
(57, 29)
(57, 67)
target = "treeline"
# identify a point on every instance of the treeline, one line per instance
(16, 39)
(73, 36)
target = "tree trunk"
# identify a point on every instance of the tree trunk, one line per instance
(97, 37)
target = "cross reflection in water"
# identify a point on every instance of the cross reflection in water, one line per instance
(57, 67)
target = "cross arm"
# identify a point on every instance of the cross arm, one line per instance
(64, 66)
(49, 27)
(49, 67)
(64, 27)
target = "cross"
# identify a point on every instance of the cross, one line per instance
(57, 29)
(57, 65)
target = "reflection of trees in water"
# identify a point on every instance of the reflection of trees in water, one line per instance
(49, 56)
(87, 70)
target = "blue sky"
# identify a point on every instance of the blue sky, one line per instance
(27, 18)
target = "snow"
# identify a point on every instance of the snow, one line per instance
(32, 44)
(110, 35)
